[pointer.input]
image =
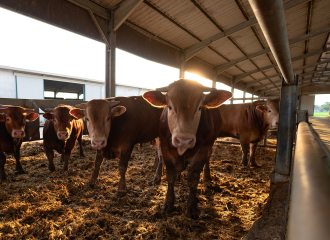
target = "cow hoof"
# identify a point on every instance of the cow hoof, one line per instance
(19, 172)
(121, 193)
(91, 185)
(255, 165)
(244, 164)
(192, 213)
(168, 207)
(51, 168)
(3, 178)
(82, 155)
(157, 180)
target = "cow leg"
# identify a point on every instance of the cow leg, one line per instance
(207, 172)
(2, 166)
(81, 150)
(245, 149)
(50, 156)
(171, 175)
(66, 157)
(17, 156)
(123, 163)
(194, 172)
(98, 162)
(253, 149)
(159, 167)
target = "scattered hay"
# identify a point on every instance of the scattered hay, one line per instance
(45, 205)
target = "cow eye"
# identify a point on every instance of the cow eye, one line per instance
(7, 119)
(87, 119)
(200, 108)
(169, 107)
(108, 119)
(269, 111)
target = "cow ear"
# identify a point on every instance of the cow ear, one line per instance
(262, 108)
(31, 117)
(48, 116)
(117, 111)
(77, 113)
(155, 98)
(216, 97)
(2, 117)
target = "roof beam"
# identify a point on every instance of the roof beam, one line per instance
(125, 9)
(238, 78)
(249, 84)
(94, 7)
(224, 67)
(196, 48)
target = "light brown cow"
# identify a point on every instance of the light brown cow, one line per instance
(249, 123)
(114, 130)
(189, 125)
(12, 126)
(61, 132)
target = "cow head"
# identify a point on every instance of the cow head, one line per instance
(98, 113)
(62, 120)
(185, 100)
(271, 111)
(15, 119)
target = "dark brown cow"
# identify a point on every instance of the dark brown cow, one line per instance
(189, 125)
(61, 131)
(135, 121)
(249, 123)
(12, 126)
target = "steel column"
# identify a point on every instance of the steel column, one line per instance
(232, 90)
(271, 18)
(182, 67)
(215, 78)
(244, 93)
(110, 61)
(286, 129)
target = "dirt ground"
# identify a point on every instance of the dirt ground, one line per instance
(45, 205)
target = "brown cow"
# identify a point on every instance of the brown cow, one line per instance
(189, 125)
(61, 131)
(135, 121)
(249, 123)
(12, 125)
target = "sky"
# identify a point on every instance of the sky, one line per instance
(30, 44)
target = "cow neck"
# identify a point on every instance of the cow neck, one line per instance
(258, 119)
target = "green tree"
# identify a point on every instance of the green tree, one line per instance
(325, 106)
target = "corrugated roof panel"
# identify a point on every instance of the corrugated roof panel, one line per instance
(234, 71)
(211, 57)
(262, 61)
(270, 71)
(150, 20)
(296, 18)
(312, 59)
(227, 49)
(248, 79)
(187, 15)
(316, 43)
(246, 66)
(297, 49)
(247, 40)
(109, 4)
(225, 12)
(320, 14)
(247, 8)
(310, 69)
(258, 75)
(298, 63)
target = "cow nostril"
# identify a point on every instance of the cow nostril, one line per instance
(177, 141)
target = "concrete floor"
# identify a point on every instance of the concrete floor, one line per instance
(321, 126)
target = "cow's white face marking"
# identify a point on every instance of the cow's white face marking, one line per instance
(271, 112)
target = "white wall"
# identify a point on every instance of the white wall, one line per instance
(30, 88)
(92, 92)
(307, 103)
(7, 84)
(126, 91)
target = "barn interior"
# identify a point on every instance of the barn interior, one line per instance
(268, 48)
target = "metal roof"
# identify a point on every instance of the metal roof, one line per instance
(224, 35)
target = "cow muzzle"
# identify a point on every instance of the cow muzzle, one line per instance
(182, 143)
(62, 135)
(18, 133)
(99, 143)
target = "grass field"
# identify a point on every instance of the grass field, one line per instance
(321, 114)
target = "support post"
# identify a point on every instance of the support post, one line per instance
(182, 67)
(286, 130)
(244, 93)
(110, 61)
(252, 95)
(232, 90)
(215, 78)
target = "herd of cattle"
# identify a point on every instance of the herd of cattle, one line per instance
(183, 124)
